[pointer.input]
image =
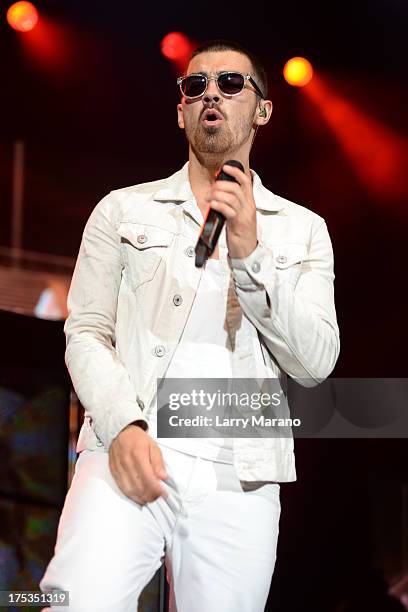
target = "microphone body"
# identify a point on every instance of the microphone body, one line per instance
(214, 221)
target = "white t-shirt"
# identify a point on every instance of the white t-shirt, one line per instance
(204, 351)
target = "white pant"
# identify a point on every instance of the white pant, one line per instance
(219, 542)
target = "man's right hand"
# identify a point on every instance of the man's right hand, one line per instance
(137, 465)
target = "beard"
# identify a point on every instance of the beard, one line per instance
(212, 140)
(218, 140)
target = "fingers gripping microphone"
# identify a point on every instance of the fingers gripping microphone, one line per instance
(214, 222)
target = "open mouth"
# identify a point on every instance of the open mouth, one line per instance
(211, 118)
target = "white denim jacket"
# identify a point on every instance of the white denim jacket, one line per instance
(133, 287)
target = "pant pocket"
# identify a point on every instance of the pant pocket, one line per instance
(226, 477)
(269, 491)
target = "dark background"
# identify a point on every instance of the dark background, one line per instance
(103, 116)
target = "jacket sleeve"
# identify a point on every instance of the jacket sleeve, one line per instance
(294, 311)
(100, 380)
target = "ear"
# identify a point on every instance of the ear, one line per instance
(263, 112)
(180, 116)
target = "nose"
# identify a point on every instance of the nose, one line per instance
(212, 94)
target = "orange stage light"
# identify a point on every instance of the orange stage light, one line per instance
(22, 16)
(298, 71)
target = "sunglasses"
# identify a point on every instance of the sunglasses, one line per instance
(228, 83)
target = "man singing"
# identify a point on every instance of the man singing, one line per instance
(262, 306)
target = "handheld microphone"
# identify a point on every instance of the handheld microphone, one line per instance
(213, 222)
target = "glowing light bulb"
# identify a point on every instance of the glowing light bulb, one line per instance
(175, 46)
(22, 16)
(298, 71)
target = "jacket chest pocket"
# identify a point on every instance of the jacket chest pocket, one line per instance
(288, 260)
(143, 248)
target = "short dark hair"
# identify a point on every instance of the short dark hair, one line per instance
(221, 44)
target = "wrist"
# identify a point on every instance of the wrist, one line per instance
(242, 252)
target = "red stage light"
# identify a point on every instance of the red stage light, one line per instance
(176, 46)
(379, 156)
(298, 71)
(22, 16)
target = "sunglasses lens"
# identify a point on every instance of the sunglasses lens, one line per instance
(193, 85)
(231, 83)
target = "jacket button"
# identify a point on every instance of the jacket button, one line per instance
(159, 350)
(142, 238)
(282, 259)
(256, 266)
(98, 440)
(177, 299)
(190, 251)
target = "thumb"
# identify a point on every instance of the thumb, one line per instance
(157, 462)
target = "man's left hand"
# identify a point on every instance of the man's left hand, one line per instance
(236, 202)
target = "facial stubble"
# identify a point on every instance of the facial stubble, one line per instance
(218, 140)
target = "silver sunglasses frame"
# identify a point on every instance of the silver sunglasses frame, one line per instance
(247, 77)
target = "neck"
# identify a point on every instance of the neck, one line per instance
(202, 170)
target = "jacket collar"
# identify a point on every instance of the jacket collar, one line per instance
(178, 189)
